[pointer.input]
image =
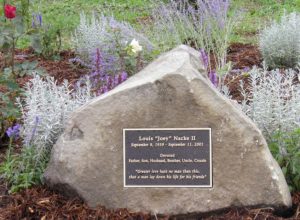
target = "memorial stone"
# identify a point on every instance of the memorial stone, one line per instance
(166, 141)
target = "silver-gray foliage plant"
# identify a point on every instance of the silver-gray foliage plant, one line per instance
(273, 101)
(105, 33)
(46, 107)
(280, 42)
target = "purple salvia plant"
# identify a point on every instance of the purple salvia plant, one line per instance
(123, 76)
(211, 74)
(36, 20)
(110, 82)
(102, 76)
(204, 58)
(213, 78)
(98, 67)
(246, 69)
(39, 19)
(102, 63)
(14, 131)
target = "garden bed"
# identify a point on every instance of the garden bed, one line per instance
(114, 43)
(42, 203)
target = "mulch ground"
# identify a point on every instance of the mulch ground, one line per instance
(43, 203)
(242, 56)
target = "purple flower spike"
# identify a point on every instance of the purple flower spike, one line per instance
(213, 78)
(124, 76)
(36, 20)
(13, 131)
(204, 58)
(117, 79)
(105, 89)
(103, 75)
(39, 18)
(246, 69)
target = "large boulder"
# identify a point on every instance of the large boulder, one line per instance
(171, 92)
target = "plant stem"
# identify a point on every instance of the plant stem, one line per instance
(138, 63)
(122, 61)
(4, 3)
(59, 40)
(9, 148)
(13, 57)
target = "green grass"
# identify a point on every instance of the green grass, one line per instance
(255, 14)
(65, 13)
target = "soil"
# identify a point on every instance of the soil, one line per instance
(61, 69)
(244, 56)
(42, 203)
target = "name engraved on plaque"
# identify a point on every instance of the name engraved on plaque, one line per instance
(168, 157)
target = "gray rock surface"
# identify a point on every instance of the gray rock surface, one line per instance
(171, 92)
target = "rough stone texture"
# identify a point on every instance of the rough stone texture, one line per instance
(172, 92)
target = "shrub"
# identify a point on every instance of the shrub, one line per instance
(9, 112)
(201, 24)
(45, 109)
(22, 170)
(272, 101)
(45, 38)
(25, 169)
(280, 42)
(285, 147)
(108, 35)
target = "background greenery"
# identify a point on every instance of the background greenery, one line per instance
(64, 14)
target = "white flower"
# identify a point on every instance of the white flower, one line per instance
(135, 46)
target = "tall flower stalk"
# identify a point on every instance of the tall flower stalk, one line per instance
(204, 24)
(102, 77)
(13, 133)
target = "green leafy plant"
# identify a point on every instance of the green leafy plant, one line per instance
(285, 147)
(9, 113)
(25, 4)
(45, 108)
(10, 31)
(23, 170)
(45, 38)
(25, 68)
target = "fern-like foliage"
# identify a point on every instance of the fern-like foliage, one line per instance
(280, 42)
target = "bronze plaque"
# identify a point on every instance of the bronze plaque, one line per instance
(167, 157)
